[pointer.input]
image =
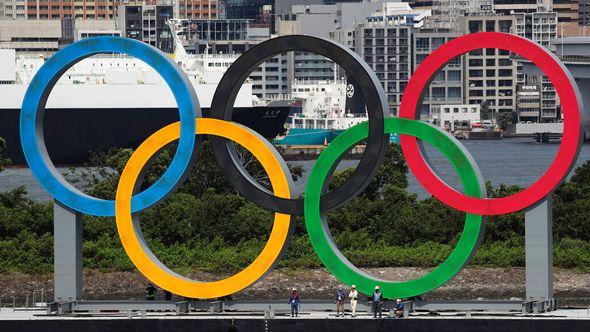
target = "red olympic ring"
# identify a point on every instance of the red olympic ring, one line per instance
(568, 151)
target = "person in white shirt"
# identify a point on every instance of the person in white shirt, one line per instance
(353, 296)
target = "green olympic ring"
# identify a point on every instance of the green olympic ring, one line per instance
(317, 223)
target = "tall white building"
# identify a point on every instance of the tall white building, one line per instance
(540, 27)
(385, 43)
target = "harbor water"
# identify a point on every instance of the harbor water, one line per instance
(515, 161)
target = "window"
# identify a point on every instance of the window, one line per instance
(454, 93)
(454, 75)
(476, 62)
(475, 26)
(422, 44)
(438, 93)
(476, 73)
(505, 26)
(490, 25)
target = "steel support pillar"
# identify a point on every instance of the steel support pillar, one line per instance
(539, 251)
(67, 254)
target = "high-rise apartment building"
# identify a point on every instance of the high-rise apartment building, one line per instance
(245, 9)
(540, 27)
(447, 86)
(584, 12)
(337, 21)
(98, 9)
(58, 9)
(386, 48)
(567, 10)
(148, 23)
(385, 41)
(490, 74)
(200, 9)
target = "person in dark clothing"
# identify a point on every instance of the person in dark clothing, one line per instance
(340, 297)
(167, 295)
(150, 292)
(294, 302)
(377, 302)
(398, 310)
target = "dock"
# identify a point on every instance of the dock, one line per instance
(308, 152)
(308, 320)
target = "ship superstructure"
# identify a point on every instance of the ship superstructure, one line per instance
(323, 113)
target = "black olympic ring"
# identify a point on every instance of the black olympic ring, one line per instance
(357, 69)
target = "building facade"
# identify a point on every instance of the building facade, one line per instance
(447, 87)
(540, 27)
(455, 117)
(447, 13)
(490, 74)
(55, 10)
(567, 10)
(148, 23)
(584, 12)
(199, 9)
(46, 37)
(387, 51)
(99, 9)
(246, 9)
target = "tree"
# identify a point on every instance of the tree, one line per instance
(485, 110)
(106, 167)
(507, 118)
(4, 161)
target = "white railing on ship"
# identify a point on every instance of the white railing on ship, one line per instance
(282, 96)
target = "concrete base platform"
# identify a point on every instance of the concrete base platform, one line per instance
(560, 320)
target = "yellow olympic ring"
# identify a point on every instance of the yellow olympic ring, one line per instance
(144, 259)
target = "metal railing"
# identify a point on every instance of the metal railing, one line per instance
(34, 300)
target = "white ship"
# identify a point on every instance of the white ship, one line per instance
(327, 108)
(112, 100)
(322, 116)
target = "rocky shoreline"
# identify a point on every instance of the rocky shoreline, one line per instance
(572, 288)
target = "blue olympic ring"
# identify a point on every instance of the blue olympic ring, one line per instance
(33, 110)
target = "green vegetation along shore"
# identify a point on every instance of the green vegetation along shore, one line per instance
(206, 226)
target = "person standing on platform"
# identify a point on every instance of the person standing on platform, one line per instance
(353, 296)
(150, 292)
(294, 302)
(377, 302)
(340, 296)
(398, 310)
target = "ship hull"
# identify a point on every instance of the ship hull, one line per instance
(301, 136)
(71, 134)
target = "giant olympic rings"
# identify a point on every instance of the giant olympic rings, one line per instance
(317, 201)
